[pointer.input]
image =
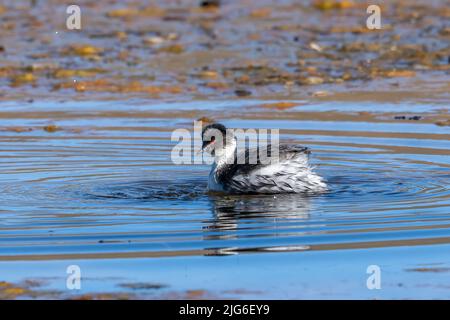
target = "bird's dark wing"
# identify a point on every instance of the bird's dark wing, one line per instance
(251, 159)
(292, 151)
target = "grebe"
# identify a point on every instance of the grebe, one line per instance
(234, 172)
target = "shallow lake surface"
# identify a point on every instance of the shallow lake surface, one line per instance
(100, 191)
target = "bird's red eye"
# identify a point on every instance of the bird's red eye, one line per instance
(213, 139)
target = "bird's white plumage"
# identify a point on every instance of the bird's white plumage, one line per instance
(213, 184)
(293, 174)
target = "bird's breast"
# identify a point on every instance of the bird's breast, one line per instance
(213, 185)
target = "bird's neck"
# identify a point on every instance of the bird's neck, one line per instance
(226, 155)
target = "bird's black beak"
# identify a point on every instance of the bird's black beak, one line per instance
(204, 145)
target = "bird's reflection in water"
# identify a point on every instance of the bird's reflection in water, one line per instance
(233, 218)
(236, 216)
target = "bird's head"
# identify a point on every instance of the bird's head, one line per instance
(215, 140)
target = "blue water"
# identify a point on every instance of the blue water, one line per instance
(102, 193)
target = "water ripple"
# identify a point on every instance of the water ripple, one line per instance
(102, 194)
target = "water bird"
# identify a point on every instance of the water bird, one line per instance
(245, 172)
